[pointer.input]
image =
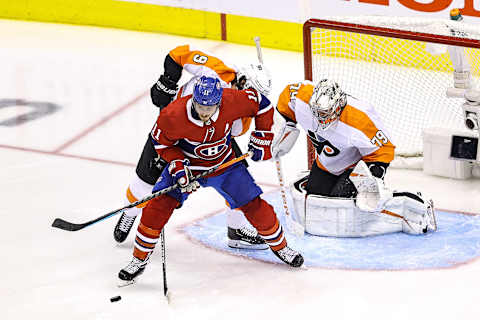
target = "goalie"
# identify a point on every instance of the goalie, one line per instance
(344, 193)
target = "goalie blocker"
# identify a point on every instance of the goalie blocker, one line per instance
(374, 211)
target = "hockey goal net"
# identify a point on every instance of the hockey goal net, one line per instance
(400, 65)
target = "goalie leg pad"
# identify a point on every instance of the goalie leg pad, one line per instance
(299, 194)
(340, 217)
(418, 214)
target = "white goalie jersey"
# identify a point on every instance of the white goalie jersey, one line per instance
(358, 137)
(359, 134)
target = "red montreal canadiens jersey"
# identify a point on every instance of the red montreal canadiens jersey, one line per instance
(178, 135)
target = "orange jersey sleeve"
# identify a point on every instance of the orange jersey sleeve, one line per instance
(195, 60)
(286, 100)
(361, 121)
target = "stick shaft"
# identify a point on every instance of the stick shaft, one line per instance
(69, 226)
(259, 49)
(278, 164)
(164, 262)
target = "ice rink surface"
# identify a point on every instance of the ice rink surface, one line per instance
(74, 115)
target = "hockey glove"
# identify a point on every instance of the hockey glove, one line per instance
(372, 192)
(182, 175)
(163, 91)
(261, 145)
(286, 139)
(378, 169)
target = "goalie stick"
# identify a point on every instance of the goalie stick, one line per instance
(293, 226)
(69, 226)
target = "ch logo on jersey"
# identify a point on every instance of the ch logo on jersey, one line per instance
(211, 151)
(322, 145)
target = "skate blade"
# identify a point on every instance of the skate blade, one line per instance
(125, 283)
(237, 244)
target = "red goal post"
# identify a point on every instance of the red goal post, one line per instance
(400, 65)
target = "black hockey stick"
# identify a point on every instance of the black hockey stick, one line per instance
(164, 264)
(69, 226)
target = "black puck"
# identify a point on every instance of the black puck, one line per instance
(115, 299)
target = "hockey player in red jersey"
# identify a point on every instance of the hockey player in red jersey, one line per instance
(202, 141)
(196, 62)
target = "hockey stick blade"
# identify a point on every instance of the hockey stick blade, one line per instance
(68, 226)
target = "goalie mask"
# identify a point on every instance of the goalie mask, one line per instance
(255, 76)
(327, 102)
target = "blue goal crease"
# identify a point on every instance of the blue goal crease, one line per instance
(456, 242)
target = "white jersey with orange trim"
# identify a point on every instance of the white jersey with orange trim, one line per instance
(359, 134)
(199, 63)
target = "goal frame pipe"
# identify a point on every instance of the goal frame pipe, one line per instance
(372, 30)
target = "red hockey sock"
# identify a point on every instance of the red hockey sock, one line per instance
(154, 217)
(145, 241)
(261, 215)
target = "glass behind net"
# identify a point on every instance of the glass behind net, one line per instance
(406, 80)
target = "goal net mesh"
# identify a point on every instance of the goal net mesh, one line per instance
(400, 65)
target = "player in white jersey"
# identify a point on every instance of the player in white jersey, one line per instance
(198, 63)
(353, 150)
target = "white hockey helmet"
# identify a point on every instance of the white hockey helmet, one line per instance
(256, 76)
(327, 102)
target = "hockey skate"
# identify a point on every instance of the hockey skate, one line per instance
(123, 227)
(245, 238)
(290, 257)
(132, 271)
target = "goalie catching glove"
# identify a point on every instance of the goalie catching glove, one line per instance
(372, 193)
(287, 137)
(182, 175)
(261, 145)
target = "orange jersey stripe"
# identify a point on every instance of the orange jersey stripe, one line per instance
(184, 55)
(361, 121)
(283, 104)
(286, 100)
(305, 92)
